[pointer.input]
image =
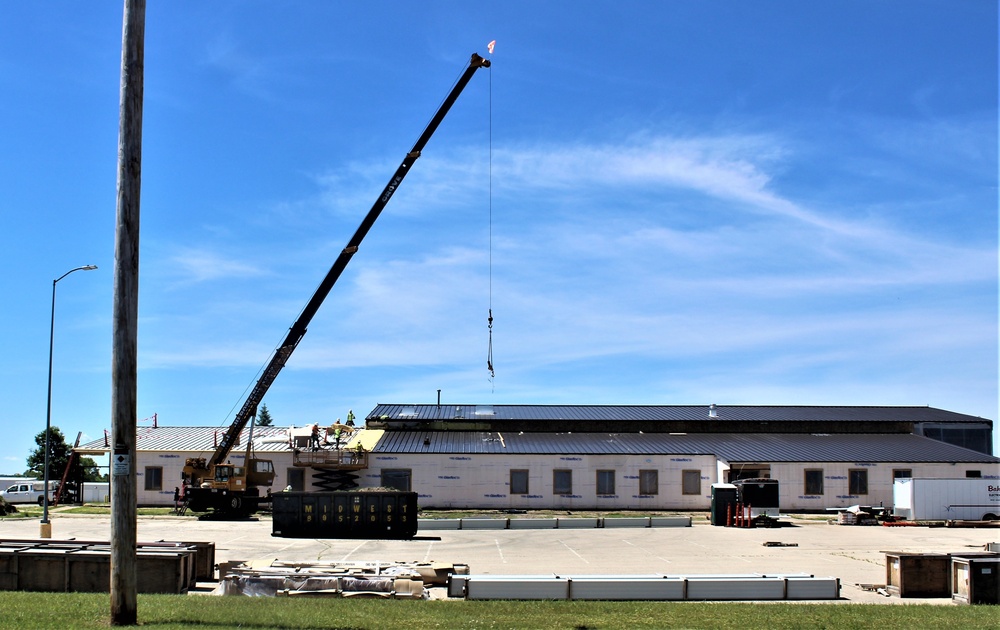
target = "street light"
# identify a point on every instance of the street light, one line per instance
(46, 528)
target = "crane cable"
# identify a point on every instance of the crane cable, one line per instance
(489, 320)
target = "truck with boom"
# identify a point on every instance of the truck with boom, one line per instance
(215, 484)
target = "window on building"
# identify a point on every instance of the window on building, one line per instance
(154, 477)
(296, 478)
(814, 481)
(857, 481)
(972, 437)
(396, 479)
(519, 482)
(562, 481)
(974, 474)
(901, 473)
(649, 482)
(605, 482)
(691, 482)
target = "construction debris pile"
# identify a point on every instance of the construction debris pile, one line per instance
(389, 580)
(863, 515)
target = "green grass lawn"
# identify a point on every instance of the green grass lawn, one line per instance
(92, 610)
(95, 509)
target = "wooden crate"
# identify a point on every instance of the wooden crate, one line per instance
(975, 580)
(918, 574)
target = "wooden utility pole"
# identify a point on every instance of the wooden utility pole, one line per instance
(126, 315)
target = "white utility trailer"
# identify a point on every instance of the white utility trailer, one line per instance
(965, 499)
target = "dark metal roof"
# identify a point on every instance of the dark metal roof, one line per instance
(754, 413)
(763, 447)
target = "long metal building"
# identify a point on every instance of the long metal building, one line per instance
(578, 457)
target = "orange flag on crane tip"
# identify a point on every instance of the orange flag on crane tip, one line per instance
(490, 46)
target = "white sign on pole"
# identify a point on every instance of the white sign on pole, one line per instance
(120, 464)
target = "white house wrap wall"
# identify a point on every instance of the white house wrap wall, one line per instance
(484, 481)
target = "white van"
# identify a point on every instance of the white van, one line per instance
(27, 492)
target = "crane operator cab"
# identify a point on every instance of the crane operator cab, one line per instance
(260, 472)
(223, 474)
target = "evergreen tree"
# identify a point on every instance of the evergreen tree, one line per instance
(264, 416)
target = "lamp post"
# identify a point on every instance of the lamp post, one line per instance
(46, 527)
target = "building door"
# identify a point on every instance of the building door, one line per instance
(396, 478)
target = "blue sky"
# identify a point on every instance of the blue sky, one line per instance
(773, 202)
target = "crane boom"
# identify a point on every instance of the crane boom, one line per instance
(298, 329)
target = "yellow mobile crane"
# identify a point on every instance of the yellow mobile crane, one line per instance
(214, 484)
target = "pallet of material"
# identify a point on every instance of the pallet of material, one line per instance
(431, 573)
(204, 552)
(395, 580)
(291, 585)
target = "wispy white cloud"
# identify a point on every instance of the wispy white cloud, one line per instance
(196, 265)
(779, 287)
(246, 69)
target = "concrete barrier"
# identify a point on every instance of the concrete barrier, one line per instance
(670, 521)
(484, 523)
(577, 523)
(553, 523)
(629, 521)
(533, 523)
(438, 523)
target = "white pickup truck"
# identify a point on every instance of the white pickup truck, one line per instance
(27, 492)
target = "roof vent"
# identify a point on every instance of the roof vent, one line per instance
(712, 411)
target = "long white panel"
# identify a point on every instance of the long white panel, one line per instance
(812, 588)
(634, 589)
(501, 587)
(736, 589)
